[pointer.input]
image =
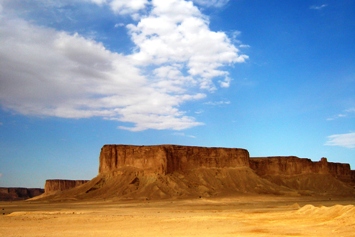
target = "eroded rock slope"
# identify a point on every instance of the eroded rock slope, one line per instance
(173, 171)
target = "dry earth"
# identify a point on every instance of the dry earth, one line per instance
(232, 216)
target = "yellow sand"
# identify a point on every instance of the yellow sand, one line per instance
(236, 216)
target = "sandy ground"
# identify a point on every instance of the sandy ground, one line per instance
(237, 216)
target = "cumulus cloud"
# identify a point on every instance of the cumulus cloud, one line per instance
(176, 32)
(343, 140)
(127, 6)
(177, 57)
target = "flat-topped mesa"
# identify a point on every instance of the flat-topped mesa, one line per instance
(165, 159)
(9, 194)
(292, 165)
(53, 185)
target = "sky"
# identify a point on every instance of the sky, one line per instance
(274, 77)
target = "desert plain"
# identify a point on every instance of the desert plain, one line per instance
(240, 215)
(171, 190)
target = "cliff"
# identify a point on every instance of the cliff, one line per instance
(12, 194)
(292, 165)
(173, 171)
(53, 185)
(166, 159)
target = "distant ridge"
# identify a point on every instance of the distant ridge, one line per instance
(14, 194)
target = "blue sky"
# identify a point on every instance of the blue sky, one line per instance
(274, 77)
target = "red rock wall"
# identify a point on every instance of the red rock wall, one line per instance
(292, 165)
(352, 173)
(164, 159)
(9, 194)
(53, 185)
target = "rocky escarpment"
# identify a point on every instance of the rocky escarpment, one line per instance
(166, 159)
(12, 194)
(173, 171)
(292, 165)
(54, 185)
(304, 175)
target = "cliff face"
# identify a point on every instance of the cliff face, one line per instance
(53, 185)
(292, 165)
(166, 171)
(165, 159)
(352, 173)
(11, 194)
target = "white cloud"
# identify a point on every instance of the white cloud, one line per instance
(318, 7)
(344, 140)
(225, 83)
(244, 46)
(211, 3)
(99, 2)
(49, 73)
(337, 117)
(127, 6)
(346, 113)
(222, 102)
(176, 32)
(351, 110)
(119, 25)
(183, 135)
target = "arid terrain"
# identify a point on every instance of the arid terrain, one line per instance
(171, 190)
(260, 215)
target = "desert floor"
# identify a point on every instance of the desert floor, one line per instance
(233, 216)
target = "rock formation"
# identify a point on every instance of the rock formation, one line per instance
(304, 175)
(166, 159)
(292, 165)
(54, 185)
(173, 171)
(13, 194)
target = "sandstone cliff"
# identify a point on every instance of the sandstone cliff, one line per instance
(165, 159)
(12, 194)
(292, 165)
(304, 175)
(173, 171)
(53, 185)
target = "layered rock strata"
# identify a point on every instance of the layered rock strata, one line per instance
(292, 165)
(173, 171)
(53, 185)
(12, 194)
(166, 159)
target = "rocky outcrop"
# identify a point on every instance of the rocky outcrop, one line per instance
(12, 194)
(173, 171)
(166, 159)
(292, 165)
(54, 185)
